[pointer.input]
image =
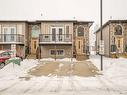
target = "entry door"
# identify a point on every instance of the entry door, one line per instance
(34, 45)
(119, 44)
(79, 46)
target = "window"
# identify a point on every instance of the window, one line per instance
(113, 48)
(46, 37)
(60, 34)
(67, 31)
(79, 44)
(118, 43)
(80, 31)
(5, 54)
(12, 34)
(58, 52)
(114, 40)
(118, 30)
(5, 30)
(35, 31)
(34, 44)
(53, 34)
(12, 31)
(53, 52)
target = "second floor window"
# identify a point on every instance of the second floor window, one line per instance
(35, 31)
(67, 31)
(13, 37)
(118, 30)
(80, 31)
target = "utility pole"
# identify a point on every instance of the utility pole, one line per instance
(101, 20)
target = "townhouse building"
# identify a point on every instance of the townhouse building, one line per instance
(46, 38)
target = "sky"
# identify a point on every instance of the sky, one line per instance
(86, 10)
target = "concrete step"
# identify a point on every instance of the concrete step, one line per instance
(31, 56)
(81, 57)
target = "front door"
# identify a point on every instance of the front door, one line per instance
(119, 44)
(79, 46)
(34, 45)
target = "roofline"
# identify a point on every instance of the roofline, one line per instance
(39, 21)
(76, 21)
(13, 21)
(56, 20)
(111, 21)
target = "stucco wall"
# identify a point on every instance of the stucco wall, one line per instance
(45, 51)
(46, 26)
(105, 34)
(20, 26)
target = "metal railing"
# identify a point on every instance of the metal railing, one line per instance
(8, 38)
(55, 38)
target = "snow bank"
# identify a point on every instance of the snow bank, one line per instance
(113, 69)
(107, 62)
(13, 70)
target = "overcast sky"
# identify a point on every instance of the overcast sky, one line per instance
(87, 10)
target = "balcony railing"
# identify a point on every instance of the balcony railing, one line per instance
(11, 38)
(57, 38)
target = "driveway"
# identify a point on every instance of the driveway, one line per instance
(85, 69)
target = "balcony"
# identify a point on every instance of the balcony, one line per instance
(11, 38)
(55, 39)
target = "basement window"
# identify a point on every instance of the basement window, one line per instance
(59, 52)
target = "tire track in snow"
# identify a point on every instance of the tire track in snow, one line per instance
(80, 86)
(73, 87)
(46, 83)
(60, 83)
(6, 88)
(108, 86)
(29, 87)
(116, 87)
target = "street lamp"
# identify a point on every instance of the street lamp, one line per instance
(101, 20)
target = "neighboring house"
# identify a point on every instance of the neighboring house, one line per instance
(114, 33)
(13, 36)
(46, 38)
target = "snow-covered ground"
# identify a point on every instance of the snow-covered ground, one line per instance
(112, 82)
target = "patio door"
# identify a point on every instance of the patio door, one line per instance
(57, 34)
(9, 34)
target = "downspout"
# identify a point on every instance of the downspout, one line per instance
(109, 40)
(72, 44)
